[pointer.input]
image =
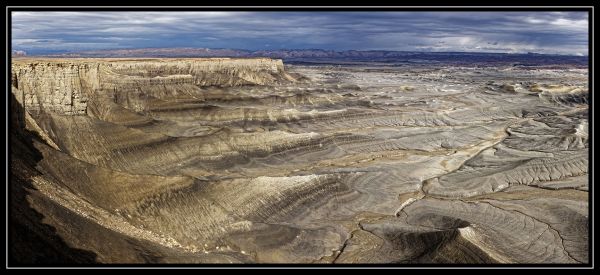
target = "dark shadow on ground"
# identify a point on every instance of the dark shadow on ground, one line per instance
(31, 241)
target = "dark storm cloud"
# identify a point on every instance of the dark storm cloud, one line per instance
(546, 32)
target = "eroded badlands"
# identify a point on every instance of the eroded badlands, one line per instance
(245, 161)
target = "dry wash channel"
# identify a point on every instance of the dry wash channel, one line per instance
(243, 161)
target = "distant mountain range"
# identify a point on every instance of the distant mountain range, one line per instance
(319, 55)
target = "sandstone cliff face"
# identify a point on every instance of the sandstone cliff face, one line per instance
(66, 86)
(55, 86)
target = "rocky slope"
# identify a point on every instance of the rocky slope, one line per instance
(232, 161)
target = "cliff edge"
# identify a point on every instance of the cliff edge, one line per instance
(66, 86)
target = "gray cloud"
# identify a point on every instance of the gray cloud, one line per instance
(546, 32)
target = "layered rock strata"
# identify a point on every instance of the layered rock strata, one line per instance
(234, 161)
(66, 86)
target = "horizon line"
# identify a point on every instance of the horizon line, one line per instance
(59, 52)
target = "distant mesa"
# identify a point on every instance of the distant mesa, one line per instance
(303, 55)
(16, 53)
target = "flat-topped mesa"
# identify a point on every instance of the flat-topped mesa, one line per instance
(65, 85)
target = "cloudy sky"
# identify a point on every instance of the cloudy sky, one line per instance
(542, 32)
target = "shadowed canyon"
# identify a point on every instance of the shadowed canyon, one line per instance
(248, 160)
